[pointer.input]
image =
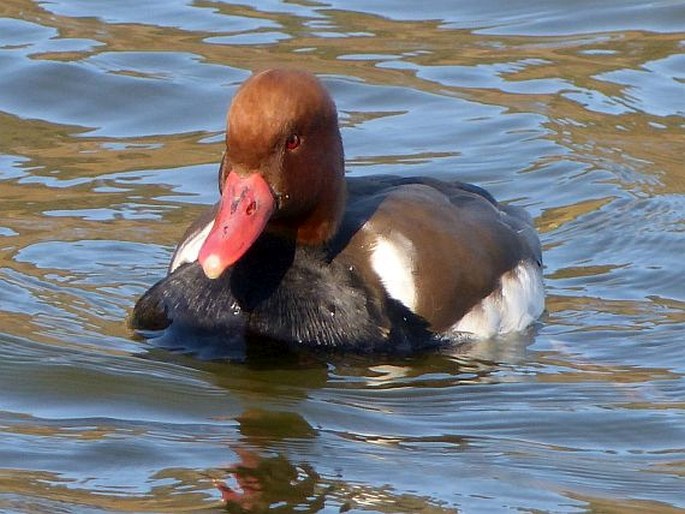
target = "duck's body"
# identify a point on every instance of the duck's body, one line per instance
(299, 254)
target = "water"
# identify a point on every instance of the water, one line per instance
(111, 119)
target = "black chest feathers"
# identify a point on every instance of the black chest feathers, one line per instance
(298, 295)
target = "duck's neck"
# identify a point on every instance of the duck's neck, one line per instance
(323, 222)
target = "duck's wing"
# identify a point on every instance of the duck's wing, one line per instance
(438, 247)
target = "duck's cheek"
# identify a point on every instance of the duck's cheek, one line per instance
(244, 210)
(297, 195)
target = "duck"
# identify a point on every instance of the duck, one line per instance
(296, 252)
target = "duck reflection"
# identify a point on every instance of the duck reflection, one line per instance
(261, 481)
(273, 484)
(270, 484)
(276, 448)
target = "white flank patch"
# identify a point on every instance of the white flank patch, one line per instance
(516, 304)
(190, 248)
(393, 262)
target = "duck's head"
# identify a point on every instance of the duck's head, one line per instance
(283, 170)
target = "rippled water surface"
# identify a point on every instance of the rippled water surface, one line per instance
(111, 120)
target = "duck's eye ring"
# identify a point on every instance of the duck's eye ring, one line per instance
(292, 142)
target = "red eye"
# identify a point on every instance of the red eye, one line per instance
(292, 142)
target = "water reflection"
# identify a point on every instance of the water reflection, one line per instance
(272, 426)
(265, 482)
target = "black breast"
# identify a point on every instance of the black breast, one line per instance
(298, 295)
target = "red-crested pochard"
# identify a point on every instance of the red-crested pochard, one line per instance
(295, 252)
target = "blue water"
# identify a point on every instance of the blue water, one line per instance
(111, 129)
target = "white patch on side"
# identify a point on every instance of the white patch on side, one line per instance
(189, 249)
(393, 262)
(516, 304)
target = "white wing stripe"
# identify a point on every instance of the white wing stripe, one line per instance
(393, 262)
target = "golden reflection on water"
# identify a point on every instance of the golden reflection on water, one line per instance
(48, 490)
(418, 45)
(628, 137)
(614, 139)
